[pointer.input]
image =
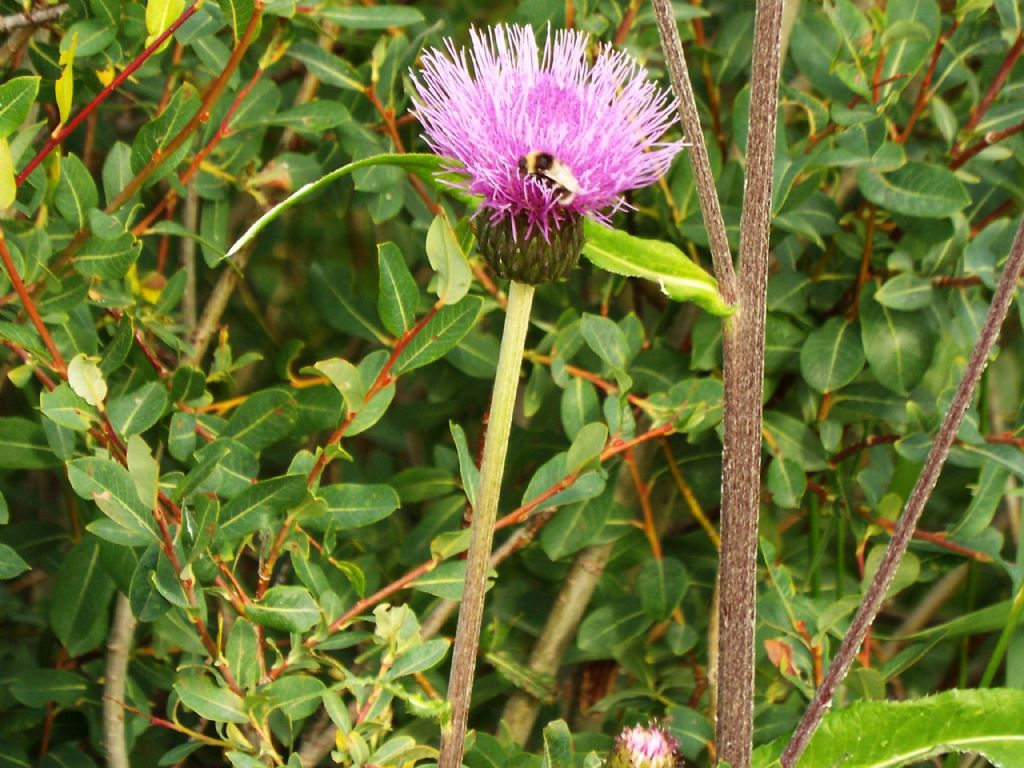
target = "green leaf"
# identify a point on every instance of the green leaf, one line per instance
(242, 653)
(327, 67)
(76, 192)
(468, 470)
(296, 696)
(209, 700)
(144, 471)
(678, 277)
(351, 505)
(11, 564)
(586, 447)
(880, 734)
(421, 164)
(288, 609)
(81, 595)
(787, 482)
(916, 189)
(442, 332)
(609, 343)
(445, 580)
(147, 603)
(154, 137)
(574, 526)
(612, 625)
(93, 36)
(449, 262)
(109, 259)
(62, 406)
(23, 445)
(898, 345)
(86, 379)
(16, 97)
(313, 117)
(37, 687)
(419, 658)
(238, 12)
(397, 295)
(137, 411)
(661, 586)
(906, 292)
(832, 355)
(109, 485)
(558, 745)
(371, 17)
(255, 507)
(263, 419)
(789, 438)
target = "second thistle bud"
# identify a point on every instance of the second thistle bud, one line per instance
(641, 746)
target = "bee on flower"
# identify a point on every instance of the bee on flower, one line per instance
(544, 136)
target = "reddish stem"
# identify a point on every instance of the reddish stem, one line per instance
(62, 133)
(923, 95)
(990, 138)
(57, 363)
(995, 86)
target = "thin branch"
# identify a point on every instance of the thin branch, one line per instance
(743, 377)
(713, 220)
(128, 71)
(119, 645)
(32, 18)
(56, 360)
(915, 505)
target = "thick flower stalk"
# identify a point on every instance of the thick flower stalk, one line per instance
(545, 137)
(644, 747)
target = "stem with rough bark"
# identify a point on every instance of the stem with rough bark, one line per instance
(743, 377)
(915, 505)
(690, 117)
(467, 634)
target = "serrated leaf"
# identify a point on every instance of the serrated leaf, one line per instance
(875, 734)
(662, 263)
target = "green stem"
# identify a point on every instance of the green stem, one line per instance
(467, 635)
(1004, 638)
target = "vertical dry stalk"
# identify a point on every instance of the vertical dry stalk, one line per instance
(743, 373)
(743, 369)
(915, 505)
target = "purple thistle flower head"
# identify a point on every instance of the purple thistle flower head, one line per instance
(641, 746)
(543, 135)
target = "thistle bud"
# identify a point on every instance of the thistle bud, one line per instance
(644, 747)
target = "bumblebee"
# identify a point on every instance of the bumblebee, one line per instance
(552, 173)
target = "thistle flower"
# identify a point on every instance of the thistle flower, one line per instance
(544, 136)
(644, 747)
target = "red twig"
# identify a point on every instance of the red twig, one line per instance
(57, 361)
(995, 86)
(924, 94)
(63, 132)
(990, 138)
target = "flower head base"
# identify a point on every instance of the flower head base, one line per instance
(644, 747)
(543, 135)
